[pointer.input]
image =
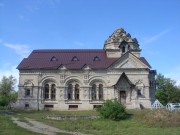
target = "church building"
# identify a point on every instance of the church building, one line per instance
(83, 79)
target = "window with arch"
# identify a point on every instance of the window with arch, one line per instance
(54, 58)
(129, 47)
(100, 92)
(75, 58)
(28, 89)
(96, 58)
(123, 49)
(53, 92)
(70, 92)
(93, 92)
(46, 95)
(76, 92)
(97, 91)
(73, 91)
(50, 91)
(140, 89)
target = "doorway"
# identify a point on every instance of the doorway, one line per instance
(123, 97)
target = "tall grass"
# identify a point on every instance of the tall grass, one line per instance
(140, 122)
(160, 118)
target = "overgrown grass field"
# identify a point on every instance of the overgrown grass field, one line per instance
(144, 122)
(7, 127)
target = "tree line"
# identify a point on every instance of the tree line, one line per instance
(166, 90)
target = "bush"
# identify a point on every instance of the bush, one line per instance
(113, 110)
(3, 101)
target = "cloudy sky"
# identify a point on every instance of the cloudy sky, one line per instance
(26, 25)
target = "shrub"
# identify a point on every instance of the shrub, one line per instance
(3, 101)
(113, 110)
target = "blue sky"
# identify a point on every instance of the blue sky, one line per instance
(26, 25)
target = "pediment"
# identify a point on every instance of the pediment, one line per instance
(123, 82)
(128, 60)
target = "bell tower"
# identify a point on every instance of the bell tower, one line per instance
(119, 43)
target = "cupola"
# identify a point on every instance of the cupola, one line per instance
(121, 42)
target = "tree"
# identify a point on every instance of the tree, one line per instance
(166, 90)
(7, 92)
(112, 109)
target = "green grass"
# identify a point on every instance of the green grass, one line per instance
(138, 124)
(7, 127)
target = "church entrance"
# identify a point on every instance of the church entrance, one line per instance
(123, 97)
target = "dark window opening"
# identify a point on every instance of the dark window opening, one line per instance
(151, 83)
(129, 47)
(73, 107)
(70, 91)
(26, 105)
(97, 106)
(93, 92)
(76, 92)
(48, 106)
(100, 92)
(53, 92)
(46, 96)
(123, 49)
(28, 92)
(139, 93)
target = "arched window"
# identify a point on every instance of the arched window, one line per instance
(75, 58)
(76, 92)
(50, 91)
(70, 89)
(46, 95)
(123, 49)
(100, 92)
(53, 92)
(93, 92)
(140, 89)
(28, 89)
(96, 58)
(54, 58)
(129, 47)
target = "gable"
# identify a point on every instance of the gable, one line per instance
(128, 60)
(123, 82)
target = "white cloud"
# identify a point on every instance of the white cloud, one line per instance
(155, 37)
(35, 6)
(174, 75)
(7, 69)
(20, 49)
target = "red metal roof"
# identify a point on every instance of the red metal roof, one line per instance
(53, 59)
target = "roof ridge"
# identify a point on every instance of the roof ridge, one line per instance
(67, 50)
